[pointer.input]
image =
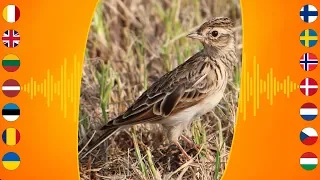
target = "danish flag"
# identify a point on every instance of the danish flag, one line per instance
(308, 86)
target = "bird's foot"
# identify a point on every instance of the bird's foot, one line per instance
(191, 143)
(185, 154)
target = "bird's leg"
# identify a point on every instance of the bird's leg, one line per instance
(182, 150)
(195, 146)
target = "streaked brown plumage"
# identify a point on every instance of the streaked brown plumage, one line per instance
(190, 90)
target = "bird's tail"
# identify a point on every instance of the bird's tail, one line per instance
(109, 130)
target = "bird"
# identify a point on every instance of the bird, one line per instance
(190, 90)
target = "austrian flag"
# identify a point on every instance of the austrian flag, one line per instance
(308, 86)
(308, 61)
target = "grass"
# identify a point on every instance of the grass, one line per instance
(131, 44)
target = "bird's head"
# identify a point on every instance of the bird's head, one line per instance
(216, 33)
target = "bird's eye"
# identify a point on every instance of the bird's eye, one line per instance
(214, 33)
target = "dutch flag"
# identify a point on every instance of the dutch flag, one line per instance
(308, 111)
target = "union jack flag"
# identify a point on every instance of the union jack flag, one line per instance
(308, 61)
(11, 38)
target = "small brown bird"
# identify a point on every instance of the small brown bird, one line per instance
(189, 91)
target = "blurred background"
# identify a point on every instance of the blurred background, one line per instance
(131, 44)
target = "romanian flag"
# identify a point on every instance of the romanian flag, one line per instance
(11, 136)
(11, 13)
(11, 63)
(11, 161)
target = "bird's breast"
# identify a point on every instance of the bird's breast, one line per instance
(209, 103)
(187, 115)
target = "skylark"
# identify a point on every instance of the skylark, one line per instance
(189, 91)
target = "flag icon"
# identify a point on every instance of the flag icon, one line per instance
(308, 86)
(308, 38)
(11, 161)
(11, 38)
(308, 61)
(308, 136)
(11, 88)
(308, 161)
(11, 136)
(308, 111)
(308, 13)
(11, 63)
(10, 112)
(11, 13)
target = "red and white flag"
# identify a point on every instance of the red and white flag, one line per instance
(308, 86)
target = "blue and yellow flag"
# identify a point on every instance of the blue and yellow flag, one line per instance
(308, 38)
(11, 161)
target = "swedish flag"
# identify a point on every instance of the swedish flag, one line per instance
(308, 38)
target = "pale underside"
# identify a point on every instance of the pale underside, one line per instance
(192, 89)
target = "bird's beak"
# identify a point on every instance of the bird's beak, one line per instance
(195, 35)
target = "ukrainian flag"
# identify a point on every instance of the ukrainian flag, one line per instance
(308, 38)
(11, 161)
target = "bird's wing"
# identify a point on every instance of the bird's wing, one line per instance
(185, 86)
(177, 90)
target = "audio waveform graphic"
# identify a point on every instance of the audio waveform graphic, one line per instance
(255, 85)
(66, 88)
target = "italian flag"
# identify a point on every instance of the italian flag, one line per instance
(11, 13)
(11, 63)
(308, 161)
